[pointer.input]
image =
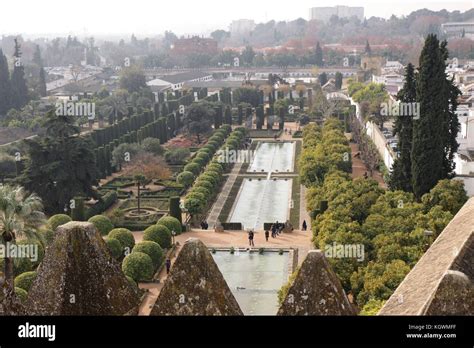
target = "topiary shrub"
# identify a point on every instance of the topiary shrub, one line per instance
(211, 177)
(204, 155)
(115, 247)
(102, 223)
(48, 235)
(138, 266)
(125, 237)
(25, 280)
(21, 294)
(175, 208)
(152, 249)
(206, 184)
(201, 162)
(193, 168)
(159, 234)
(57, 220)
(216, 167)
(196, 195)
(194, 205)
(185, 178)
(202, 190)
(171, 223)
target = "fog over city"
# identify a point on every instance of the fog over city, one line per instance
(146, 17)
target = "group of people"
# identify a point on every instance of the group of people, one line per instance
(276, 229)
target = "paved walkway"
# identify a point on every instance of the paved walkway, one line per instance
(297, 240)
(359, 168)
(154, 289)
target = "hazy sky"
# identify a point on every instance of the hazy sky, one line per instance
(147, 17)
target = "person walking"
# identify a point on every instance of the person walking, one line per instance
(273, 231)
(267, 234)
(168, 266)
(251, 235)
(305, 225)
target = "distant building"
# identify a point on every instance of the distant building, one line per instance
(325, 13)
(195, 44)
(177, 81)
(241, 27)
(458, 29)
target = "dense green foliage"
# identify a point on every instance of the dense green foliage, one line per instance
(115, 247)
(57, 220)
(125, 237)
(389, 225)
(138, 266)
(25, 280)
(152, 249)
(102, 223)
(159, 234)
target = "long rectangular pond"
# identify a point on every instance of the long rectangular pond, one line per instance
(273, 157)
(261, 201)
(254, 278)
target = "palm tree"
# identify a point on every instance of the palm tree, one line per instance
(113, 107)
(20, 216)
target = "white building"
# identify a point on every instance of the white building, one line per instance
(458, 29)
(177, 81)
(325, 13)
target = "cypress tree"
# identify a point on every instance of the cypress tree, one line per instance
(368, 50)
(319, 55)
(175, 210)
(240, 115)
(18, 82)
(451, 122)
(4, 85)
(228, 115)
(401, 177)
(432, 141)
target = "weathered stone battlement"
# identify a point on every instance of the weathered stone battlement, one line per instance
(79, 277)
(195, 286)
(316, 290)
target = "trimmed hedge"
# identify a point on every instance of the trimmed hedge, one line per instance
(102, 223)
(115, 247)
(159, 234)
(107, 201)
(21, 294)
(192, 167)
(152, 249)
(25, 280)
(57, 220)
(185, 178)
(138, 266)
(125, 237)
(171, 223)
